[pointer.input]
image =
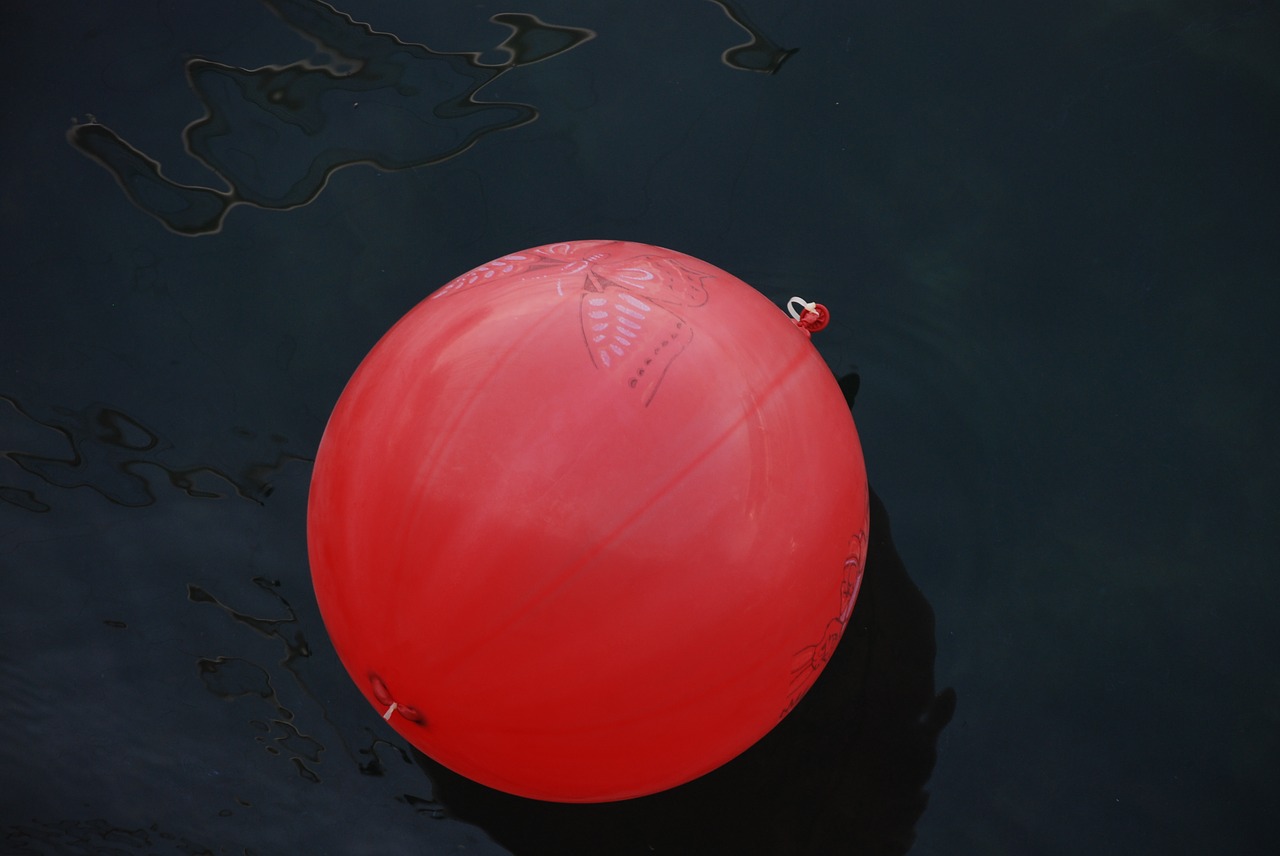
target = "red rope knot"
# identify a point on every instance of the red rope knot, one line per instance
(383, 695)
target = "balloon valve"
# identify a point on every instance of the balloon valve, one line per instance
(807, 315)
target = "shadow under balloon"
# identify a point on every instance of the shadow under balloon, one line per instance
(843, 773)
(274, 135)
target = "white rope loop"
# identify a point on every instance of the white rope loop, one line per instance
(805, 306)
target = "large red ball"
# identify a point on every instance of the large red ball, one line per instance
(588, 521)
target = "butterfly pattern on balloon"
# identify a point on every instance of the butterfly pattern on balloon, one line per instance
(809, 661)
(632, 306)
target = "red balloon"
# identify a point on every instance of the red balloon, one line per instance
(589, 520)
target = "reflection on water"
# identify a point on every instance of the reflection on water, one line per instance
(109, 452)
(760, 53)
(232, 678)
(275, 134)
(275, 725)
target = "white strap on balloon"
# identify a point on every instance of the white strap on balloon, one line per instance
(805, 306)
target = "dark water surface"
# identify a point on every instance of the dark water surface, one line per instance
(1048, 238)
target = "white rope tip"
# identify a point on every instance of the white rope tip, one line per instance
(390, 710)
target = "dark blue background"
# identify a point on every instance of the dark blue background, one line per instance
(1048, 238)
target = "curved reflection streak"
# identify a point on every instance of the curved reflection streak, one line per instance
(279, 727)
(276, 134)
(109, 451)
(231, 678)
(760, 54)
